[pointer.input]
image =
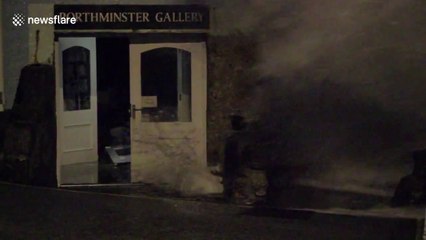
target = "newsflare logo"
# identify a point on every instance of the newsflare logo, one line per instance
(19, 20)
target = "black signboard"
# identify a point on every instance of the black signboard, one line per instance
(132, 16)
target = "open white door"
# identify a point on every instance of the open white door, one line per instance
(76, 111)
(168, 96)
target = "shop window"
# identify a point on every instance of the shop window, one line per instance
(76, 78)
(166, 85)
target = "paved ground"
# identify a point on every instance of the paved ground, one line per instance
(38, 213)
(297, 197)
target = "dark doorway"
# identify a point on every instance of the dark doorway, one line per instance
(113, 110)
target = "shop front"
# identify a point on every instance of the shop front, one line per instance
(131, 92)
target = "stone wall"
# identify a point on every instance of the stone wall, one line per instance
(231, 79)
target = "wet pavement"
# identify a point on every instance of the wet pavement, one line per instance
(296, 198)
(40, 213)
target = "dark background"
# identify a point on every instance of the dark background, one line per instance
(338, 86)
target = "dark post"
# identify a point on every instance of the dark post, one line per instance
(30, 136)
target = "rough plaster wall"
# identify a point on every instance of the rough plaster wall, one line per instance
(16, 46)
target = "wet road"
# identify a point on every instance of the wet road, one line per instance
(38, 213)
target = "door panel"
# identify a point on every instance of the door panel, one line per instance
(77, 110)
(167, 130)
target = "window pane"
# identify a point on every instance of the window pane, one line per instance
(166, 81)
(76, 78)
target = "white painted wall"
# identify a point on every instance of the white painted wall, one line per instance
(46, 44)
